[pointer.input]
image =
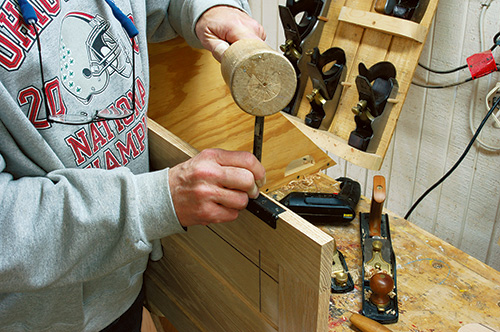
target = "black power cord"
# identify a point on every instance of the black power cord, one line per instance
(496, 42)
(449, 71)
(457, 163)
(425, 86)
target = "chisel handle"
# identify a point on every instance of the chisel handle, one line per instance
(366, 324)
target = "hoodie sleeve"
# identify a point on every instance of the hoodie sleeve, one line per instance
(76, 225)
(167, 19)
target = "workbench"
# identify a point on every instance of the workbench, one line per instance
(440, 288)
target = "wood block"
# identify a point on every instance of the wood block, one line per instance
(384, 23)
(243, 275)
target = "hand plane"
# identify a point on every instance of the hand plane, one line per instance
(398, 8)
(379, 293)
(303, 22)
(375, 86)
(327, 87)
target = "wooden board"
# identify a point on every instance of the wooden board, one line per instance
(367, 37)
(190, 98)
(239, 276)
(440, 288)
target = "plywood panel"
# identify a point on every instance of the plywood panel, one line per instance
(191, 99)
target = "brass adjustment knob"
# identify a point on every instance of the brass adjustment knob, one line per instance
(289, 49)
(341, 279)
(360, 107)
(316, 96)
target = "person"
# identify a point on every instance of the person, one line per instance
(80, 212)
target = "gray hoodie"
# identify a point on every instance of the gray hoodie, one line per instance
(79, 211)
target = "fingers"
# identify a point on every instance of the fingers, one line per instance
(239, 179)
(226, 24)
(242, 160)
(219, 50)
(214, 186)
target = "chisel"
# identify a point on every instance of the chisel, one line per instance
(261, 80)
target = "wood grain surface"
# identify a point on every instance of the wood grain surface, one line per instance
(243, 275)
(190, 98)
(440, 288)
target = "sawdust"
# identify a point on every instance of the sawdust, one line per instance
(306, 183)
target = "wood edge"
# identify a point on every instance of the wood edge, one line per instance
(331, 143)
(384, 23)
(289, 320)
(178, 149)
(430, 13)
(325, 243)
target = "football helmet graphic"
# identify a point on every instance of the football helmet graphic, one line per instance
(89, 54)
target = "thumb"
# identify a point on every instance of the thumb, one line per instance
(219, 48)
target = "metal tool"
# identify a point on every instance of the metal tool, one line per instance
(379, 294)
(341, 278)
(385, 6)
(262, 82)
(405, 8)
(398, 8)
(301, 38)
(328, 208)
(375, 86)
(258, 137)
(327, 87)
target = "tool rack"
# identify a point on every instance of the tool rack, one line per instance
(368, 37)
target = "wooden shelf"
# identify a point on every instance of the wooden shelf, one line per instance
(386, 24)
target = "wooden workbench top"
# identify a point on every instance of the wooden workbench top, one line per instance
(440, 288)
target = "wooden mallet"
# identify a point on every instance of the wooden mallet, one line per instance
(261, 80)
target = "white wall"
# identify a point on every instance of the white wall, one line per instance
(433, 131)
